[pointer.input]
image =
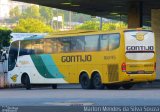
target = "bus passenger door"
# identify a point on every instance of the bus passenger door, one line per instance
(13, 69)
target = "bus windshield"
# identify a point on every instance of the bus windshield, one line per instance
(139, 45)
(13, 53)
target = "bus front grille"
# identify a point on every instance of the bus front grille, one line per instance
(113, 72)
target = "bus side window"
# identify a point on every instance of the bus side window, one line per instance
(77, 44)
(38, 46)
(25, 48)
(114, 41)
(91, 43)
(50, 46)
(104, 43)
(64, 44)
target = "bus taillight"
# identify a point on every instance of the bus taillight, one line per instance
(124, 67)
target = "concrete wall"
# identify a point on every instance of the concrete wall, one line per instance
(155, 21)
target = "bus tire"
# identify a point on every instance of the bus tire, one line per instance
(27, 83)
(97, 82)
(54, 86)
(127, 86)
(113, 86)
(85, 82)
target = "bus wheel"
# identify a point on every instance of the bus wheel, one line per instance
(27, 82)
(85, 82)
(113, 86)
(54, 86)
(127, 86)
(97, 83)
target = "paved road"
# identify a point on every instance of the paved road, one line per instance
(77, 96)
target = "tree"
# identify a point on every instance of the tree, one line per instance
(93, 25)
(15, 14)
(31, 25)
(76, 17)
(46, 13)
(31, 12)
(79, 17)
(5, 37)
(113, 26)
(88, 25)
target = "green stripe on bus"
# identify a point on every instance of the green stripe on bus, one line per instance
(46, 66)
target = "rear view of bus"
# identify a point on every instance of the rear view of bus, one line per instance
(140, 56)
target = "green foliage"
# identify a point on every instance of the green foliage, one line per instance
(113, 26)
(31, 12)
(79, 17)
(88, 25)
(46, 13)
(31, 25)
(4, 37)
(75, 17)
(15, 14)
(93, 25)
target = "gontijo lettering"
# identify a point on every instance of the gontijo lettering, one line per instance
(77, 58)
(139, 48)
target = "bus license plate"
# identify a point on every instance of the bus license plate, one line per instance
(141, 71)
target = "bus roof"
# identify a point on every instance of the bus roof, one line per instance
(87, 32)
(27, 36)
(76, 33)
(79, 33)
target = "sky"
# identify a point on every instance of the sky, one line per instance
(6, 5)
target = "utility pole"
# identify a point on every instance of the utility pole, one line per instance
(101, 22)
(57, 20)
(70, 19)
